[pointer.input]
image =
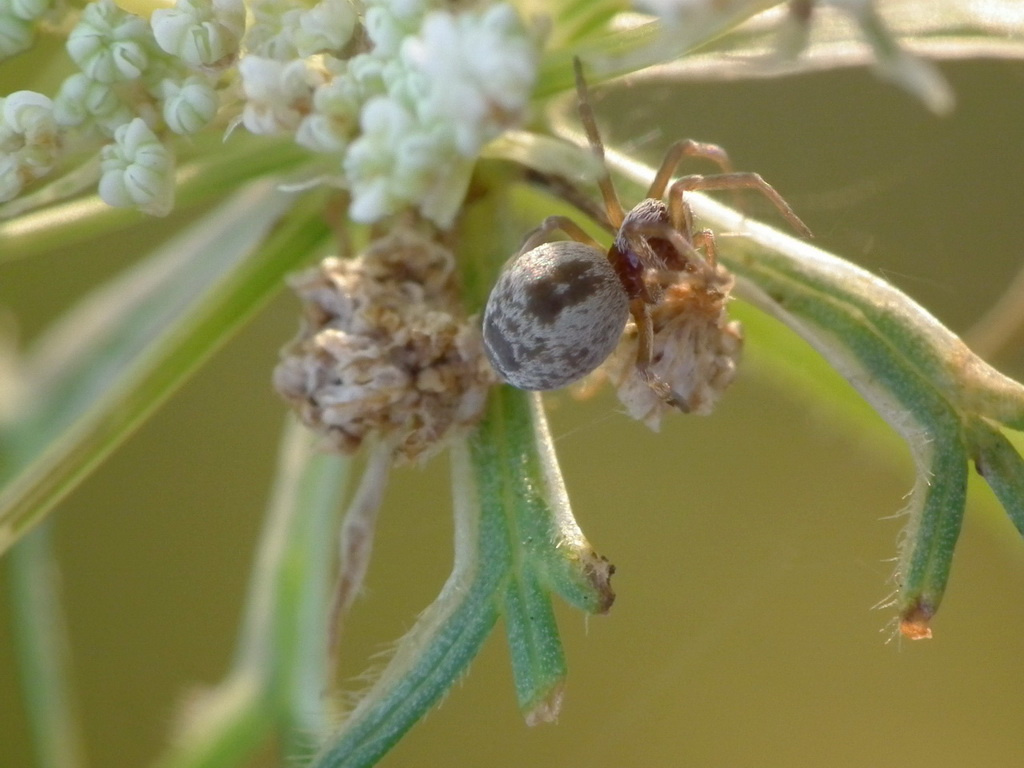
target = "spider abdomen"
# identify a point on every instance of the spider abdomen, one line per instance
(554, 315)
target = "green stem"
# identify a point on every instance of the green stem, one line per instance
(151, 379)
(515, 541)
(442, 643)
(42, 651)
(223, 169)
(279, 673)
(917, 374)
(1002, 467)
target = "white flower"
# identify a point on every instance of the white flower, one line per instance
(15, 36)
(10, 178)
(26, 10)
(372, 164)
(367, 72)
(189, 106)
(109, 44)
(271, 29)
(389, 22)
(82, 101)
(29, 140)
(335, 116)
(326, 27)
(398, 161)
(199, 32)
(481, 68)
(17, 24)
(137, 170)
(277, 93)
(460, 80)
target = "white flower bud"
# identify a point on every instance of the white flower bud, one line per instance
(137, 170)
(109, 44)
(278, 94)
(387, 26)
(370, 163)
(319, 133)
(26, 10)
(271, 29)
(333, 122)
(397, 161)
(198, 32)
(189, 106)
(326, 27)
(82, 100)
(16, 35)
(10, 178)
(367, 72)
(27, 113)
(29, 140)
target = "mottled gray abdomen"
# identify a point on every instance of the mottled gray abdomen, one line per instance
(554, 315)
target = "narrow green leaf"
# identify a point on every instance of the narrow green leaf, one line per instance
(42, 651)
(284, 632)
(223, 168)
(917, 374)
(276, 683)
(446, 637)
(516, 484)
(538, 661)
(514, 540)
(97, 397)
(519, 472)
(998, 461)
(224, 728)
(629, 49)
(929, 539)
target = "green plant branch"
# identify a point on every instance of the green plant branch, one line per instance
(63, 453)
(219, 171)
(279, 675)
(917, 374)
(42, 652)
(609, 54)
(511, 535)
(1002, 467)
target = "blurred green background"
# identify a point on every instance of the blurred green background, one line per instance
(750, 546)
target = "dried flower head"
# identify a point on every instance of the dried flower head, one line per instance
(695, 348)
(385, 350)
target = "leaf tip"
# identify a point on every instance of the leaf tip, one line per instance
(547, 709)
(915, 623)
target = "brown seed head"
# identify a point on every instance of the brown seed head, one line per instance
(384, 349)
(695, 348)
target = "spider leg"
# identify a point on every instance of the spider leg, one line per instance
(640, 311)
(563, 188)
(552, 224)
(612, 205)
(736, 181)
(675, 155)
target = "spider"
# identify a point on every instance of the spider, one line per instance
(558, 309)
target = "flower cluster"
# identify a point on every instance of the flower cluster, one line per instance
(385, 350)
(397, 96)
